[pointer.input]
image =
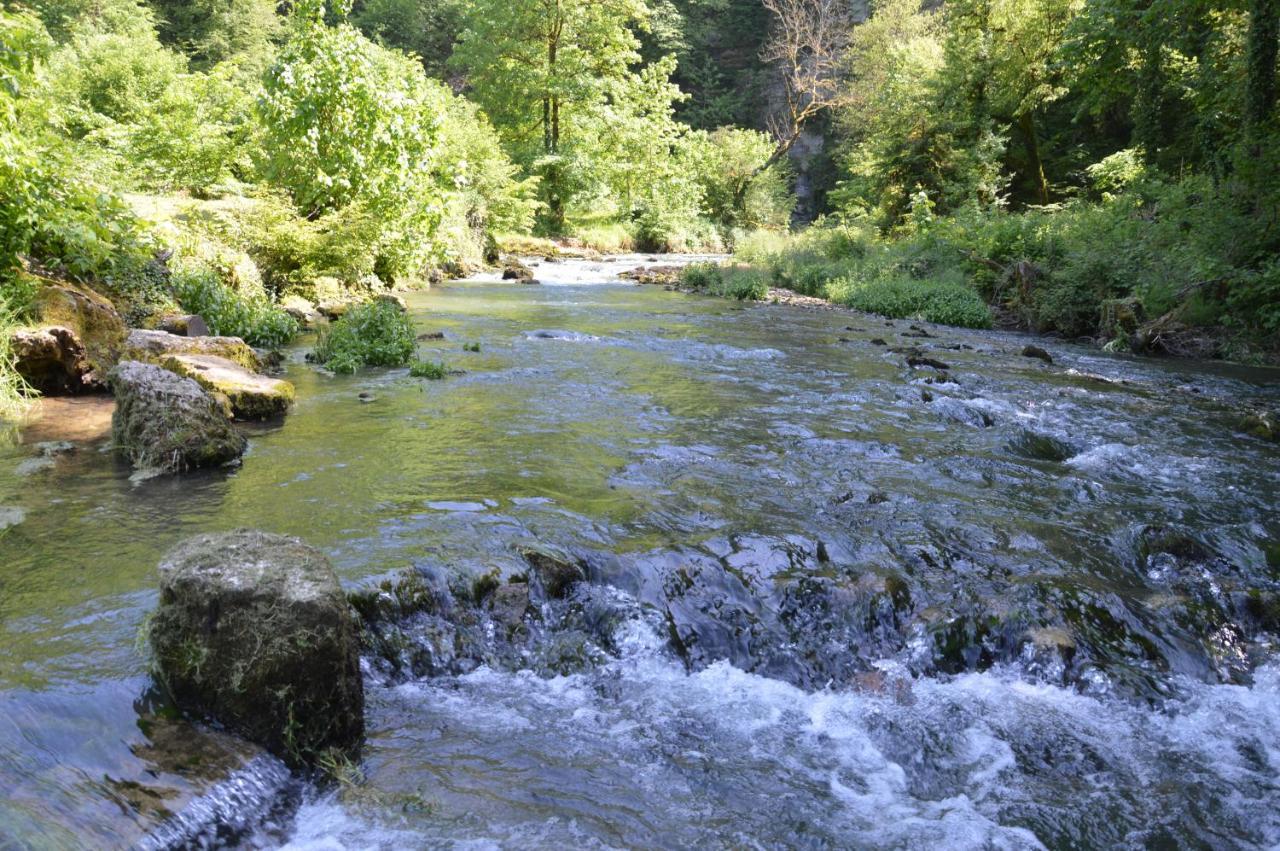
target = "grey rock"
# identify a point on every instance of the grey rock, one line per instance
(166, 423)
(253, 630)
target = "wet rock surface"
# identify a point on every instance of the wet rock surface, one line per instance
(166, 423)
(253, 630)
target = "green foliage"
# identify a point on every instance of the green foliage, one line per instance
(735, 195)
(377, 333)
(426, 28)
(211, 31)
(737, 282)
(948, 301)
(229, 312)
(14, 392)
(431, 370)
(350, 129)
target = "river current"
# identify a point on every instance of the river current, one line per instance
(849, 583)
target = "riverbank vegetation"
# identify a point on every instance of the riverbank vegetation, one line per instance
(1086, 168)
(1080, 167)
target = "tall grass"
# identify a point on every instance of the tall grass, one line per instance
(15, 394)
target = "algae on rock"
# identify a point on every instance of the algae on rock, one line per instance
(254, 631)
(167, 423)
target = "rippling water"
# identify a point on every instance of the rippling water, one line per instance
(834, 601)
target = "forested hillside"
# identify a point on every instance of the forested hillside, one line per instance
(1104, 169)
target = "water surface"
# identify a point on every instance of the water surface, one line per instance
(836, 601)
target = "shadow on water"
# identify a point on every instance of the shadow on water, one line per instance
(829, 599)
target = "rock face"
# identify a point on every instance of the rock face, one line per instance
(158, 346)
(166, 423)
(254, 630)
(251, 396)
(189, 325)
(54, 361)
(74, 339)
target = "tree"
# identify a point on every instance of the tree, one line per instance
(807, 45)
(213, 30)
(542, 70)
(1264, 35)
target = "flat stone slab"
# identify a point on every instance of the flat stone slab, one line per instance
(156, 346)
(252, 396)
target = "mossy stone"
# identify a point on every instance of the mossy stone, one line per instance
(253, 630)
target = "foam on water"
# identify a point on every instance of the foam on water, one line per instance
(723, 757)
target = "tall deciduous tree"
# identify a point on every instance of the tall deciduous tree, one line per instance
(542, 70)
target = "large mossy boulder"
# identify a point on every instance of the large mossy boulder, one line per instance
(157, 346)
(166, 423)
(72, 340)
(251, 396)
(253, 630)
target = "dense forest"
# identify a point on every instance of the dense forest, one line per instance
(1103, 169)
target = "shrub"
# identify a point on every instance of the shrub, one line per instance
(947, 302)
(431, 370)
(250, 316)
(738, 282)
(377, 333)
(13, 390)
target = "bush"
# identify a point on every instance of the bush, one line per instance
(377, 333)
(737, 282)
(947, 302)
(431, 370)
(230, 313)
(13, 390)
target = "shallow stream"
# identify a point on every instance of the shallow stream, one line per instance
(834, 600)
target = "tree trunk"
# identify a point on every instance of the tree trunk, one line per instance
(1028, 124)
(1264, 39)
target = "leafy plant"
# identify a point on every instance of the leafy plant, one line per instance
(228, 312)
(431, 370)
(376, 333)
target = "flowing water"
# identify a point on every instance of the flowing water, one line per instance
(831, 600)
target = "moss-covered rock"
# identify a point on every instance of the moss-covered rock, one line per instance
(158, 346)
(166, 423)
(253, 630)
(73, 337)
(251, 396)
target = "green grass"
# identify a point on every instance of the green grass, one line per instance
(431, 370)
(228, 313)
(946, 302)
(15, 395)
(737, 282)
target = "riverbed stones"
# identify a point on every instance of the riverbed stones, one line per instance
(167, 423)
(253, 630)
(158, 346)
(1036, 352)
(251, 396)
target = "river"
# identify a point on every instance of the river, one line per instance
(835, 601)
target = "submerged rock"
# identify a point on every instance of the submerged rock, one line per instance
(158, 346)
(253, 630)
(251, 396)
(167, 423)
(1037, 353)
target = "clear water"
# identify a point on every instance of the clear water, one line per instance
(779, 471)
